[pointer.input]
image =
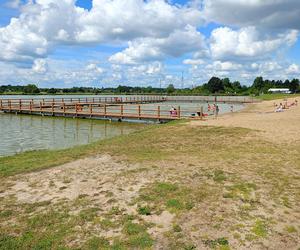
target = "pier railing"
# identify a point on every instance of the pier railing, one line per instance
(140, 109)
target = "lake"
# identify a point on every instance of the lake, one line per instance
(20, 133)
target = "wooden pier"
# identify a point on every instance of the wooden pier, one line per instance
(112, 108)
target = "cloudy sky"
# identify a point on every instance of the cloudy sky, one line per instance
(64, 43)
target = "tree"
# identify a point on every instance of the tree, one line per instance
(31, 89)
(258, 83)
(170, 89)
(52, 91)
(215, 85)
(294, 85)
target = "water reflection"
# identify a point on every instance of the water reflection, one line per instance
(19, 133)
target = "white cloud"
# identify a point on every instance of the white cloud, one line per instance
(224, 66)
(247, 43)
(45, 23)
(176, 44)
(92, 67)
(293, 69)
(193, 61)
(39, 66)
(269, 14)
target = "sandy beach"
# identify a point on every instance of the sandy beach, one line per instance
(280, 127)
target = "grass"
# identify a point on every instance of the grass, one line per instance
(260, 228)
(203, 176)
(269, 97)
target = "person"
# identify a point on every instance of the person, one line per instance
(280, 108)
(173, 111)
(216, 110)
(296, 102)
(231, 108)
(208, 107)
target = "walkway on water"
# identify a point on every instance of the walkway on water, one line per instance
(114, 108)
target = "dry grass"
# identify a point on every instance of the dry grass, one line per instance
(172, 186)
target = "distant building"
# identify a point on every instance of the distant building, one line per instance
(277, 90)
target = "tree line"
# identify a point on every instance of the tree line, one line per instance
(214, 86)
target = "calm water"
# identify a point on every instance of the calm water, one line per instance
(19, 133)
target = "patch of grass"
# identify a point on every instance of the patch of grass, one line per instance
(97, 243)
(137, 236)
(171, 196)
(290, 229)
(174, 204)
(219, 176)
(144, 210)
(260, 228)
(220, 242)
(268, 97)
(107, 224)
(177, 228)
(88, 214)
(42, 231)
(6, 213)
(240, 191)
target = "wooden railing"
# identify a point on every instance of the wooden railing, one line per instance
(125, 109)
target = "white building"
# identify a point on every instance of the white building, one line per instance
(277, 90)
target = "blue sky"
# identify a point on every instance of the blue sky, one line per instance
(63, 43)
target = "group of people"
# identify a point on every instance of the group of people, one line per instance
(281, 107)
(214, 108)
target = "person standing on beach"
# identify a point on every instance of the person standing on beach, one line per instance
(216, 111)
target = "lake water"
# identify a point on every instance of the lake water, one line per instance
(19, 133)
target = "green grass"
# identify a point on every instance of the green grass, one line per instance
(170, 196)
(196, 168)
(260, 228)
(269, 97)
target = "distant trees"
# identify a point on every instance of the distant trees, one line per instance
(31, 89)
(214, 86)
(170, 89)
(262, 86)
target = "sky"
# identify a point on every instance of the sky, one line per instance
(105, 43)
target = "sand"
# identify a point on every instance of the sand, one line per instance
(281, 127)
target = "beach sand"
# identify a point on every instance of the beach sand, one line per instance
(281, 127)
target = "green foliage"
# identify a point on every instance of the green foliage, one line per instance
(144, 210)
(260, 228)
(215, 85)
(170, 89)
(217, 242)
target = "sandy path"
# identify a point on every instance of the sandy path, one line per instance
(276, 127)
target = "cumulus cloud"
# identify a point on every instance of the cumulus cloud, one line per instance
(293, 69)
(39, 66)
(274, 14)
(92, 67)
(193, 61)
(224, 66)
(176, 44)
(247, 43)
(43, 24)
